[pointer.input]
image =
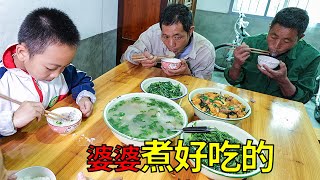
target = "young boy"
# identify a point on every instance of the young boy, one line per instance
(37, 70)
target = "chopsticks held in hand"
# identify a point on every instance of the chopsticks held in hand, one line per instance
(138, 57)
(49, 114)
(254, 50)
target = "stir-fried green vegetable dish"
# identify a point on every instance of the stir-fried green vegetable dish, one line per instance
(166, 89)
(217, 136)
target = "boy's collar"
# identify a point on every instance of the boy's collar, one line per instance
(7, 57)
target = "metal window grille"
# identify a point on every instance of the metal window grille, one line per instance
(271, 7)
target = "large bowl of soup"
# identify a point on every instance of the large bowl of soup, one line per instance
(220, 132)
(137, 117)
(219, 104)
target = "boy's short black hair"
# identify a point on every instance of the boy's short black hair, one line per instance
(175, 13)
(46, 26)
(292, 17)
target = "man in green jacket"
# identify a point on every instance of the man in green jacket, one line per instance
(295, 76)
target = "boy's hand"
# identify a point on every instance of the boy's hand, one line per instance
(86, 106)
(26, 112)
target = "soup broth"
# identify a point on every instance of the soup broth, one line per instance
(70, 118)
(145, 118)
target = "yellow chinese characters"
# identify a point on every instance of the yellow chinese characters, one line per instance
(158, 154)
(223, 155)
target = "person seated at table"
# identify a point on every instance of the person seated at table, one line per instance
(174, 35)
(295, 76)
(37, 70)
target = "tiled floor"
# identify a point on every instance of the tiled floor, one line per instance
(218, 77)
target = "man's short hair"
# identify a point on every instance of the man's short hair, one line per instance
(292, 17)
(47, 26)
(176, 13)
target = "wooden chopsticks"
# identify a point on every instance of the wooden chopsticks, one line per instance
(47, 113)
(254, 50)
(259, 52)
(137, 57)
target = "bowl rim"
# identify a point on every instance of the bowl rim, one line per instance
(149, 95)
(268, 59)
(66, 107)
(40, 167)
(171, 60)
(245, 175)
(183, 88)
(209, 89)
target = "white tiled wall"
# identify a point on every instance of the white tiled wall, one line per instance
(90, 16)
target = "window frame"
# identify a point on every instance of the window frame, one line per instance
(251, 15)
(265, 17)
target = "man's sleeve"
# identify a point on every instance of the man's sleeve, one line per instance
(231, 81)
(306, 83)
(6, 124)
(206, 57)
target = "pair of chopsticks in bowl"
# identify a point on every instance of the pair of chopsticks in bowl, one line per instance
(253, 50)
(47, 113)
(138, 57)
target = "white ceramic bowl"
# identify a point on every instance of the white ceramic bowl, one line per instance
(204, 115)
(66, 127)
(235, 132)
(146, 83)
(268, 61)
(136, 141)
(35, 172)
(171, 63)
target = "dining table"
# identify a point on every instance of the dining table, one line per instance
(281, 122)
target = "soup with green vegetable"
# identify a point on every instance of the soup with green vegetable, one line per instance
(145, 118)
